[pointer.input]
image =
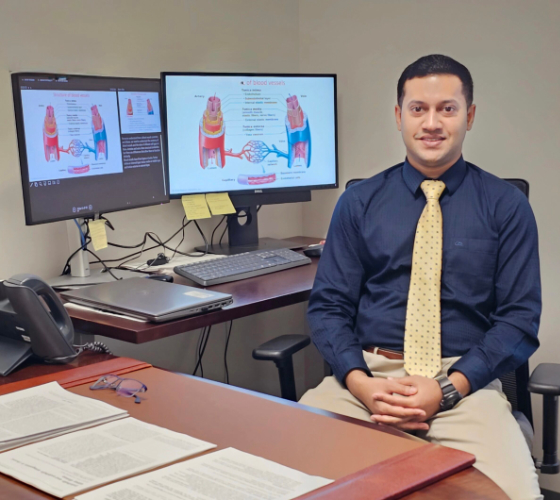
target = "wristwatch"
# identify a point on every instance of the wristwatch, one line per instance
(451, 396)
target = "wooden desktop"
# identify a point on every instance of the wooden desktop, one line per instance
(250, 296)
(279, 430)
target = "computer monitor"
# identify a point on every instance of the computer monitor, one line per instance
(263, 138)
(88, 145)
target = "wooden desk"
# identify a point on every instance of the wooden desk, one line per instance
(250, 296)
(289, 433)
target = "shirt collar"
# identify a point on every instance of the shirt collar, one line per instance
(452, 176)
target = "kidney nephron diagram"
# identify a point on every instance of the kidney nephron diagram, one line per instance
(76, 147)
(212, 151)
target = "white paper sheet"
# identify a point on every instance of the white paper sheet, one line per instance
(84, 459)
(227, 474)
(34, 414)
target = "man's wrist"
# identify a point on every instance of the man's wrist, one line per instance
(354, 380)
(460, 382)
(450, 395)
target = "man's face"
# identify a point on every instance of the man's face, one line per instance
(434, 120)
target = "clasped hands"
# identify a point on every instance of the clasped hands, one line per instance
(405, 403)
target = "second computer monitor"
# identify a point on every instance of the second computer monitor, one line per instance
(88, 145)
(247, 133)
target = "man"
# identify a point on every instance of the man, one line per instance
(418, 325)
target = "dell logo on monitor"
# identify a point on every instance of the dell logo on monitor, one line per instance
(258, 190)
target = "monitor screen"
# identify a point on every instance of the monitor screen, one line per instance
(88, 144)
(249, 133)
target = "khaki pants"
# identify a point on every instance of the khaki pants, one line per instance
(481, 424)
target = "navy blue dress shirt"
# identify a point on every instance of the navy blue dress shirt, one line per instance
(490, 293)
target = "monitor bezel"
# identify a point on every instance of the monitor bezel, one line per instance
(22, 147)
(261, 191)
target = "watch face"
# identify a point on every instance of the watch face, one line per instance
(450, 400)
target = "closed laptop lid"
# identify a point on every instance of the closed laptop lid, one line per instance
(144, 296)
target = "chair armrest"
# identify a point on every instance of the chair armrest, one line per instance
(281, 347)
(546, 379)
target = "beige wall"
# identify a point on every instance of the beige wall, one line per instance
(511, 48)
(140, 38)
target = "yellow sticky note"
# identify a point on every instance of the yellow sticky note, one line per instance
(195, 206)
(220, 204)
(98, 234)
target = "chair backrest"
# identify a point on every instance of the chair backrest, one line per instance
(514, 384)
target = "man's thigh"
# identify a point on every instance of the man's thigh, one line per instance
(482, 424)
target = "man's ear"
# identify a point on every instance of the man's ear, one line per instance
(398, 116)
(470, 116)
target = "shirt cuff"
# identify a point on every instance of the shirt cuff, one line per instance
(347, 361)
(475, 369)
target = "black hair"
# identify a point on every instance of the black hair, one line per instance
(436, 64)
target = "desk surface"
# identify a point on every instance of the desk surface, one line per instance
(250, 296)
(272, 428)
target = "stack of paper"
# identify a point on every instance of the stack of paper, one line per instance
(82, 460)
(87, 458)
(46, 411)
(226, 474)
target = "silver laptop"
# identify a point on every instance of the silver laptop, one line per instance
(153, 300)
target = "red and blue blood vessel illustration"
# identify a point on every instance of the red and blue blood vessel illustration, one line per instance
(50, 135)
(99, 134)
(212, 134)
(299, 135)
(211, 142)
(76, 146)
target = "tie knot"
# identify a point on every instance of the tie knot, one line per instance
(432, 189)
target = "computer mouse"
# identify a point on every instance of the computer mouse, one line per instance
(314, 250)
(161, 277)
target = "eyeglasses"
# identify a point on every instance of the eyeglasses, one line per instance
(127, 387)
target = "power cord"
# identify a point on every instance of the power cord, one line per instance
(203, 237)
(202, 343)
(225, 352)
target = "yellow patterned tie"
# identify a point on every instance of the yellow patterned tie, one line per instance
(422, 333)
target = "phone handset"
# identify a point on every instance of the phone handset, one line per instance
(44, 318)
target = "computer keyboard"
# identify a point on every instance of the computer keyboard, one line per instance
(241, 266)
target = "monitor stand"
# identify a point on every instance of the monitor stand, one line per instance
(245, 238)
(81, 274)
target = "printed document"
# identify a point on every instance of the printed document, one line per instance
(227, 474)
(48, 410)
(84, 459)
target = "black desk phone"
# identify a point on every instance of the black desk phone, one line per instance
(33, 322)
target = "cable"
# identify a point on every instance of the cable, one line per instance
(82, 237)
(198, 346)
(143, 242)
(219, 224)
(66, 269)
(203, 237)
(106, 269)
(182, 239)
(223, 233)
(93, 346)
(225, 352)
(201, 350)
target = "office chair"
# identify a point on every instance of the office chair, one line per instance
(517, 385)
